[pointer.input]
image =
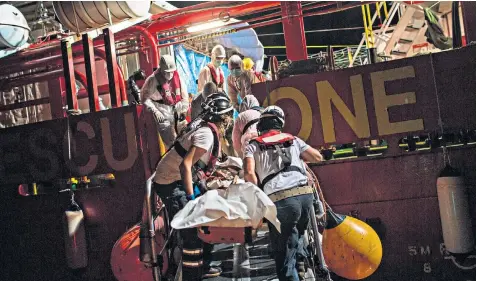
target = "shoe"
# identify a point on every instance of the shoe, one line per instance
(301, 270)
(212, 272)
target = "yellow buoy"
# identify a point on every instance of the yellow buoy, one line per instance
(352, 249)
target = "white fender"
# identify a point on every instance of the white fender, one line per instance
(75, 238)
(454, 210)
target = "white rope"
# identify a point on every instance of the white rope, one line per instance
(432, 6)
(445, 153)
(453, 259)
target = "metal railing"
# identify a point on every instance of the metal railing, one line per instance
(379, 36)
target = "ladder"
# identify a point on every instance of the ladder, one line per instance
(401, 40)
(408, 34)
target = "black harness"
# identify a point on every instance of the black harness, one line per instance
(280, 148)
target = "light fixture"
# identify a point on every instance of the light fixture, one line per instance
(209, 25)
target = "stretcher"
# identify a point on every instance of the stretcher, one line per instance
(147, 250)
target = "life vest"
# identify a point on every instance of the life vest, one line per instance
(168, 90)
(219, 81)
(200, 169)
(281, 144)
(260, 77)
(253, 121)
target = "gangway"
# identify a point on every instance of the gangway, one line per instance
(403, 39)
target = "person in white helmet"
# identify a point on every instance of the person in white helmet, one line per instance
(212, 72)
(165, 95)
(274, 162)
(233, 86)
(245, 125)
(196, 105)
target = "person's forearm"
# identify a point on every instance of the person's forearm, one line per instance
(251, 178)
(149, 105)
(186, 175)
(233, 96)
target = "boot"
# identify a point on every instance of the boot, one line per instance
(211, 272)
(300, 267)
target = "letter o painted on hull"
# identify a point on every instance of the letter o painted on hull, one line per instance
(301, 100)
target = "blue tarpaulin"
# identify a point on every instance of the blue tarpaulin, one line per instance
(189, 64)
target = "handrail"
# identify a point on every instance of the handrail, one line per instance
(382, 30)
(148, 251)
(363, 40)
(387, 21)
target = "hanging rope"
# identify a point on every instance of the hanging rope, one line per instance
(317, 187)
(445, 153)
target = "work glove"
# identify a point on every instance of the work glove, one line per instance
(159, 117)
(181, 107)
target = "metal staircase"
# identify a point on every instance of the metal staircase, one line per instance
(407, 36)
(401, 40)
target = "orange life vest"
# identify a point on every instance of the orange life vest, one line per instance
(260, 76)
(168, 90)
(219, 81)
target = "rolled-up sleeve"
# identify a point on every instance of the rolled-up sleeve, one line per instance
(250, 150)
(301, 145)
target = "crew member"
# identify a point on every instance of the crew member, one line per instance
(233, 86)
(191, 159)
(274, 161)
(248, 77)
(212, 71)
(196, 105)
(166, 96)
(245, 125)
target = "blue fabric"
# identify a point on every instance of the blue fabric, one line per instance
(189, 64)
(245, 42)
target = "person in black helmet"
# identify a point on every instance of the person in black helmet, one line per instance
(274, 162)
(184, 167)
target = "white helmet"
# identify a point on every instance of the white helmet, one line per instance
(167, 63)
(274, 111)
(218, 52)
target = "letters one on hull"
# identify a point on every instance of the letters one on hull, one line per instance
(326, 98)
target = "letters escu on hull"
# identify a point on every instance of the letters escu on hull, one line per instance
(102, 142)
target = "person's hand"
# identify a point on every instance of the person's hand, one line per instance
(181, 107)
(159, 117)
(220, 174)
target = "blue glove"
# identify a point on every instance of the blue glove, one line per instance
(195, 194)
(196, 191)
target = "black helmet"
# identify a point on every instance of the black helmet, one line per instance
(217, 105)
(274, 111)
(272, 118)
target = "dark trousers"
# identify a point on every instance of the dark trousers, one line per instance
(288, 247)
(196, 255)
